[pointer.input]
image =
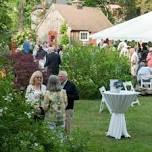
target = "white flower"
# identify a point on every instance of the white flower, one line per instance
(36, 144)
(29, 115)
(8, 98)
(1, 111)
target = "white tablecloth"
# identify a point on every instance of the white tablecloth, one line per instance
(119, 103)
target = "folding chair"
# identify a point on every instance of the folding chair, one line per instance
(146, 83)
(129, 87)
(103, 101)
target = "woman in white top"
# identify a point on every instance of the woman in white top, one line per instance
(35, 90)
(134, 63)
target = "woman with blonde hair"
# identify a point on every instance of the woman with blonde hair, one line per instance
(55, 101)
(35, 90)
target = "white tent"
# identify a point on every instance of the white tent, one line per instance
(144, 36)
(135, 29)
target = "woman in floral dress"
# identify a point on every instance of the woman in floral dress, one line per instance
(35, 92)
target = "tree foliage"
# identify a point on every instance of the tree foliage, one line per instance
(64, 40)
(5, 23)
(130, 8)
(144, 5)
(18, 130)
(91, 67)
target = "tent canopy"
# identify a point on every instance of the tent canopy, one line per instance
(139, 28)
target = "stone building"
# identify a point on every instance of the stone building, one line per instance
(81, 22)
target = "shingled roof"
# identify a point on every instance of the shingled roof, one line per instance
(85, 18)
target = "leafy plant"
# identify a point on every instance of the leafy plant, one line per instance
(63, 28)
(19, 37)
(91, 67)
(64, 40)
(23, 67)
(5, 24)
(19, 131)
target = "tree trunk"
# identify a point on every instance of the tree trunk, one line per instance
(43, 3)
(21, 15)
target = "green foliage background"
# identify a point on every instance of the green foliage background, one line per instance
(20, 37)
(5, 23)
(91, 67)
(19, 131)
(64, 39)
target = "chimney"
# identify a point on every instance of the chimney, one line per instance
(77, 3)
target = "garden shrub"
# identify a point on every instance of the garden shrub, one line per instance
(19, 132)
(20, 37)
(23, 66)
(64, 39)
(90, 68)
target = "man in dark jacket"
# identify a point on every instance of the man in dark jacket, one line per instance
(72, 94)
(52, 62)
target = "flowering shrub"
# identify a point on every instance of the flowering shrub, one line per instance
(23, 66)
(91, 67)
(18, 130)
(2, 73)
(19, 37)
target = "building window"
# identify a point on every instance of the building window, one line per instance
(84, 36)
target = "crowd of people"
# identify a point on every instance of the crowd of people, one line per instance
(141, 63)
(48, 56)
(139, 55)
(52, 102)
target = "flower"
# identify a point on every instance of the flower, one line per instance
(36, 144)
(8, 98)
(2, 73)
(28, 114)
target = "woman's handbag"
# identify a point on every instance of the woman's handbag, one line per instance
(39, 114)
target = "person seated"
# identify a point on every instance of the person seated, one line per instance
(144, 73)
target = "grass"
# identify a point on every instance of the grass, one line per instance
(139, 126)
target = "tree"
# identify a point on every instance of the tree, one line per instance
(21, 7)
(64, 39)
(128, 7)
(144, 5)
(101, 4)
(5, 23)
(25, 8)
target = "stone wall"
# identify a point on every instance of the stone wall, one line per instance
(51, 22)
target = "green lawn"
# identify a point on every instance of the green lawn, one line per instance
(139, 126)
